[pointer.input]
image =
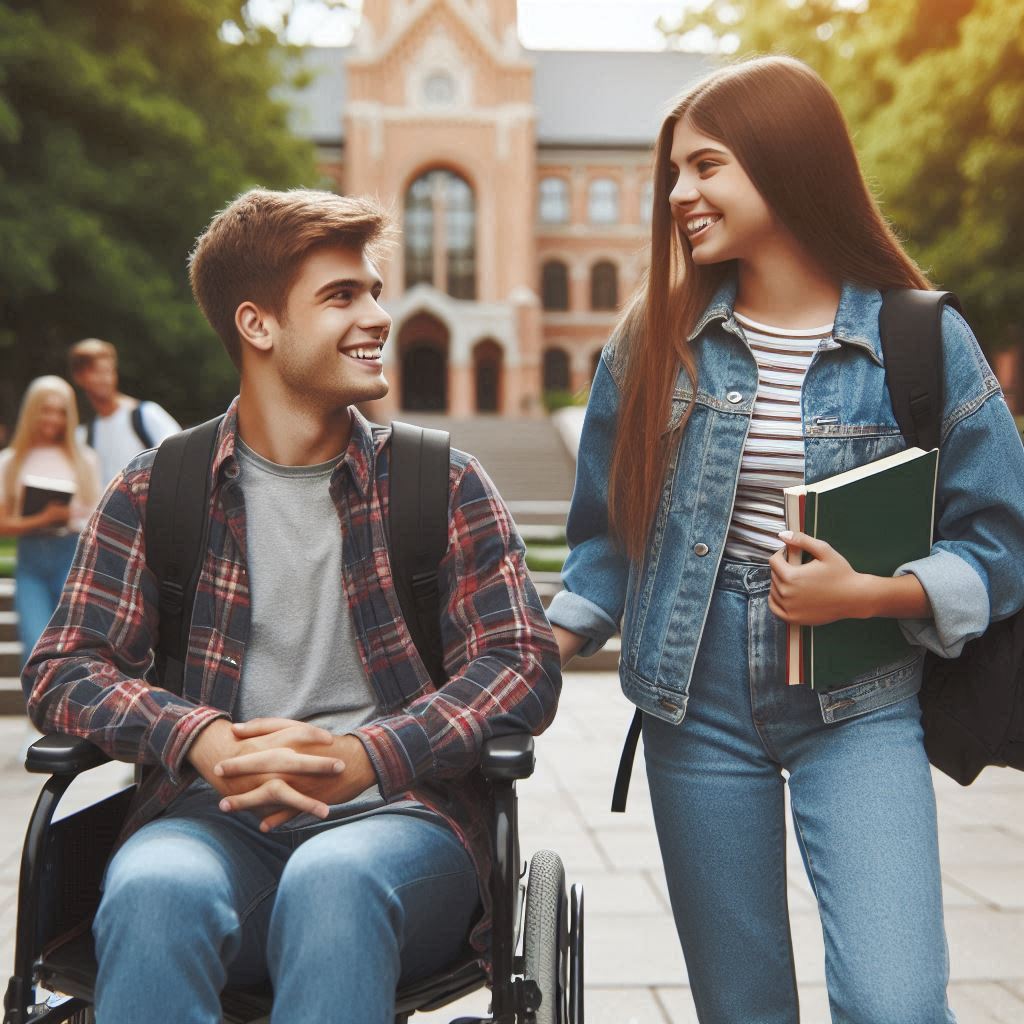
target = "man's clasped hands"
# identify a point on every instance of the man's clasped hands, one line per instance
(280, 768)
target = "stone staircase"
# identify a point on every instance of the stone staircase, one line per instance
(11, 700)
(526, 458)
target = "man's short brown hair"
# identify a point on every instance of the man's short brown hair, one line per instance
(252, 251)
(84, 353)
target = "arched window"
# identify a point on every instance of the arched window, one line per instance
(487, 366)
(603, 201)
(604, 285)
(554, 201)
(554, 285)
(556, 370)
(647, 202)
(440, 234)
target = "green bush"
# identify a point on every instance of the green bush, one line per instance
(546, 558)
(6, 556)
(554, 400)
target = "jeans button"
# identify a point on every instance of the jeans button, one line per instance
(735, 397)
(701, 549)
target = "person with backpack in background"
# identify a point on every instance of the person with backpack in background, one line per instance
(120, 426)
(308, 817)
(44, 454)
(750, 360)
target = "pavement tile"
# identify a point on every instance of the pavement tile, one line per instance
(980, 845)
(814, 1009)
(985, 945)
(613, 892)
(633, 950)
(985, 1003)
(998, 885)
(623, 1006)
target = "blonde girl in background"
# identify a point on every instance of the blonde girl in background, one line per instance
(44, 447)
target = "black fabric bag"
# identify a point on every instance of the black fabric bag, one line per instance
(972, 706)
(178, 519)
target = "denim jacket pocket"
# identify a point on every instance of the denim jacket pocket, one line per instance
(881, 687)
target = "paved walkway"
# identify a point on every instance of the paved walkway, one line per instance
(635, 971)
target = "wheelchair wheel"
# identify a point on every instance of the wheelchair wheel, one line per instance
(546, 936)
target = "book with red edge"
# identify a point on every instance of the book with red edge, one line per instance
(878, 516)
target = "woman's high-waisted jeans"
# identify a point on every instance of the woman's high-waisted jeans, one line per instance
(43, 563)
(864, 812)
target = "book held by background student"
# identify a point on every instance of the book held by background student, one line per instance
(40, 491)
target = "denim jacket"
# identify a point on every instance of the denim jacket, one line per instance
(972, 576)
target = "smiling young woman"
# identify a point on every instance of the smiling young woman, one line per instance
(757, 325)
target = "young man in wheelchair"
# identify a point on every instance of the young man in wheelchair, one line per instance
(307, 818)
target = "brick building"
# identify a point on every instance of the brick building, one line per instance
(521, 180)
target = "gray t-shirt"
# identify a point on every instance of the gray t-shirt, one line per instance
(301, 660)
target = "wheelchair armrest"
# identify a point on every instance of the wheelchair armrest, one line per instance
(507, 758)
(58, 754)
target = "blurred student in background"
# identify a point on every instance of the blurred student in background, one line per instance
(120, 426)
(45, 453)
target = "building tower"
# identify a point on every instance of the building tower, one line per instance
(440, 122)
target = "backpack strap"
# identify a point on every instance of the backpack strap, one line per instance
(90, 431)
(910, 326)
(177, 527)
(139, 426)
(628, 756)
(418, 527)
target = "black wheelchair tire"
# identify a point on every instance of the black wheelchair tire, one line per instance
(545, 935)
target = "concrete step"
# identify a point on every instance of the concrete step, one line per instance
(12, 702)
(6, 594)
(10, 658)
(8, 626)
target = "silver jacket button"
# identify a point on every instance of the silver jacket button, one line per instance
(735, 397)
(701, 549)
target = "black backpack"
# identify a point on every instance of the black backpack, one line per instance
(137, 425)
(972, 706)
(178, 519)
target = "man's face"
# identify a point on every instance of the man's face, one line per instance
(327, 345)
(98, 380)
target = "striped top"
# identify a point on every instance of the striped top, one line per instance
(773, 456)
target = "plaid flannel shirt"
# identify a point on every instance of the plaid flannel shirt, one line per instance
(91, 672)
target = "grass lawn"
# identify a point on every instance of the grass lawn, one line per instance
(6, 556)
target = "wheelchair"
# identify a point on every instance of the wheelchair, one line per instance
(63, 862)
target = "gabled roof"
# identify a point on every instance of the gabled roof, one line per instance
(587, 97)
(583, 97)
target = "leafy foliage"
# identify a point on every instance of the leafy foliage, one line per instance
(934, 90)
(124, 126)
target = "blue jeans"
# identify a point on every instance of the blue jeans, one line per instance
(864, 812)
(335, 915)
(43, 561)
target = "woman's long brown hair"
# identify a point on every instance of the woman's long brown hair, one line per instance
(786, 129)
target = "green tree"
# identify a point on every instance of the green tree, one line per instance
(124, 125)
(934, 91)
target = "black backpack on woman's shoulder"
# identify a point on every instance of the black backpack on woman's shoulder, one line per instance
(972, 706)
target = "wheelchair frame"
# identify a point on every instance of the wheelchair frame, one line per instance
(53, 940)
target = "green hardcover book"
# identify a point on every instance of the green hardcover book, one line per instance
(878, 517)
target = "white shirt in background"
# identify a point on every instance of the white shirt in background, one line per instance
(115, 440)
